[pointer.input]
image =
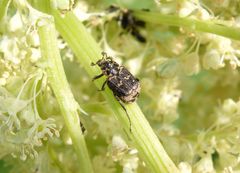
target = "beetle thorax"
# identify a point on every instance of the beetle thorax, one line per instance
(109, 68)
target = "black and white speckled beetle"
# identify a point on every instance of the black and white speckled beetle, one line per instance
(124, 85)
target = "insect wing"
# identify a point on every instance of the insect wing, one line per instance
(128, 79)
(123, 83)
(115, 85)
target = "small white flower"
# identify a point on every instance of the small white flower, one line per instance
(118, 143)
(119, 148)
(184, 167)
(186, 8)
(220, 50)
(228, 169)
(81, 11)
(193, 9)
(15, 22)
(213, 59)
(35, 55)
(5, 74)
(3, 81)
(33, 39)
(229, 107)
(205, 165)
(130, 165)
(167, 104)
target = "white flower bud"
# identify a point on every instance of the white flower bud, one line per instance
(212, 59)
(33, 39)
(36, 55)
(119, 147)
(229, 107)
(15, 23)
(187, 7)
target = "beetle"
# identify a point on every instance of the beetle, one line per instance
(128, 22)
(122, 83)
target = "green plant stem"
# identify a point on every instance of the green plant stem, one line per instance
(59, 84)
(194, 24)
(3, 7)
(87, 51)
(44, 6)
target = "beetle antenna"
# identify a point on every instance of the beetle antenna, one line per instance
(104, 55)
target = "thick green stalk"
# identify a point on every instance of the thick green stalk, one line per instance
(194, 24)
(59, 84)
(3, 7)
(44, 6)
(87, 51)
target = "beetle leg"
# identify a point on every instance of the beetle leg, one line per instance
(98, 76)
(137, 35)
(103, 86)
(130, 123)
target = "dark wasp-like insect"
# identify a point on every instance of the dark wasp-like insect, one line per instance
(124, 85)
(128, 22)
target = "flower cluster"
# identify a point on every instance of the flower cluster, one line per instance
(24, 125)
(189, 87)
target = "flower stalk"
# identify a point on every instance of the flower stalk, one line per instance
(194, 24)
(59, 84)
(87, 50)
(3, 8)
